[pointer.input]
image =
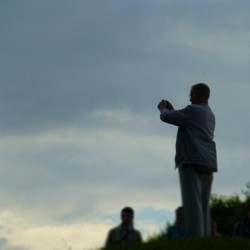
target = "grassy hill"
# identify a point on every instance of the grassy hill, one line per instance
(211, 243)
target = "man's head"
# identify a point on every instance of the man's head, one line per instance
(179, 213)
(199, 93)
(127, 216)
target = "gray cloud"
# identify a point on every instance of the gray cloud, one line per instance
(61, 62)
(80, 81)
(4, 244)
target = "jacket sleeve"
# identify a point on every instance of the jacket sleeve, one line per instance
(177, 117)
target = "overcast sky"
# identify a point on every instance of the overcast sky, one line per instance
(80, 134)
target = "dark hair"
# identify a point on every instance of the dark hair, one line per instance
(127, 210)
(179, 209)
(202, 89)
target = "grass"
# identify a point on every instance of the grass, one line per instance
(211, 243)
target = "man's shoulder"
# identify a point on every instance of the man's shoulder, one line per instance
(197, 106)
(137, 235)
(191, 108)
(173, 227)
(202, 108)
(115, 229)
(136, 231)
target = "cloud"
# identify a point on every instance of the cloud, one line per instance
(4, 244)
(80, 132)
(81, 235)
(63, 173)
(31, 236)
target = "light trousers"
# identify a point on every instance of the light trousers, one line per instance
(195, 193)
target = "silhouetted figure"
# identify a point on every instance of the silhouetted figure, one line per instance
(176, 231)
(214, 230)
(125, 232)
(195, 156)
(243, 228)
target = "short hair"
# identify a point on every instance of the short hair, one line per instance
(127, 210)
(179, 209)
(202, 89)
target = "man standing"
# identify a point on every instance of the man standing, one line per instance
(195, 156)
(125, 233)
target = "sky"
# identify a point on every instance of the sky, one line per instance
(80, 134)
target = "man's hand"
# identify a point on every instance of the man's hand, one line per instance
(164, 104)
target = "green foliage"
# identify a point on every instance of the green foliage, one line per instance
(228, 210)
(246, 192)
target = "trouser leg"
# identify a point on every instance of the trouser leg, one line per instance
(191, 200)
(206, 192)
(195, 191)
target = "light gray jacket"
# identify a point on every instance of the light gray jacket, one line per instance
(194, 143)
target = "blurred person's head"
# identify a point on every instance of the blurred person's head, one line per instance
(179, 215)
(127, 216)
